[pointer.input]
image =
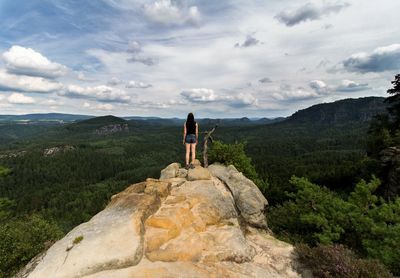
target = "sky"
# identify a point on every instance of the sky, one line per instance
(233, 58)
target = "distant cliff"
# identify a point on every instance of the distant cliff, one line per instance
(341, 111)
(188, 223)
(111, 129)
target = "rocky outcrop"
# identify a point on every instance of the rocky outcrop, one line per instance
(189, 223)
(248, 198)
(54, 150)
(111, 129)
(390, 160)
(14, 154)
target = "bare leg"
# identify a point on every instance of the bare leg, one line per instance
(187, 153)
(193, 147)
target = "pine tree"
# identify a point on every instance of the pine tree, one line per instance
(394, 101)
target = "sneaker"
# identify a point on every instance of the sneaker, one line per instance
(192, 166)
(187, 166)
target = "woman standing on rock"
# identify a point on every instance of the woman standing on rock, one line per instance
(190, 137)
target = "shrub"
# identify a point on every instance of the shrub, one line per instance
(7, 209)
(362, 221)
(4, 171)
(235, 154)
(22, 239)
(77, 240)
(338, 261)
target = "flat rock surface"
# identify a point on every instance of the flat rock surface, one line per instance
(175, 226)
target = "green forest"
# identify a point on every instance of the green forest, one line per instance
(332, 186)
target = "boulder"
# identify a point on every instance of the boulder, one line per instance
(171, 171)
(173, 227)
(249, 199)
(182, 173)
(198, 173)
(196, 162)
(154, 186)
(112, 239)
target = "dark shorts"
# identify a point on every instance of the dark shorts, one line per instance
(190, 138)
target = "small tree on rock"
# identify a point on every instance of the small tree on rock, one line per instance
(394, 101)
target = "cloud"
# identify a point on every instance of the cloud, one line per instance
(177, 102)
(203, 95)
(250, 41)
(82, 77)
(323, 63)
(101, 93)
(136, 84)
(153, 104)
(104, 106)
(242, 100)
(24, 83)
(18, 98)
(265, 80)
(381, 59)
(308, 12)
(351, 86)
(52, 102)
(26, 61)
(169, 12)
(319, 87)
(287, 92)
(114, 81)
(327, 26)
(135, 48)
(148, 61)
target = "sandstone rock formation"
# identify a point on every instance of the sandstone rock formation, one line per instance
(189, 223)
(54, 150)
(390, 160)
(111, 129)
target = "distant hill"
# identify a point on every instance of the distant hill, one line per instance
(238, 121)
(341, 111)
(60, 118)
(96, 123)
(100, 121)
(57, 125)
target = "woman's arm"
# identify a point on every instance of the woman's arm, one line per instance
(197, 132)
(184, 133)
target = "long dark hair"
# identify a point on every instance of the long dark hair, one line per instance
(190, 118)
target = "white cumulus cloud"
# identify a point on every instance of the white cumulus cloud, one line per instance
(320, 87)
(287, 92)
(21, 60)
(101, 93)
(168, 12)
(27, 83)
(137, 84)
(18, 98)
(242, 100)
(204, 95)
(381, 59)
(200, 95)
(105, 106)
(352, 86)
